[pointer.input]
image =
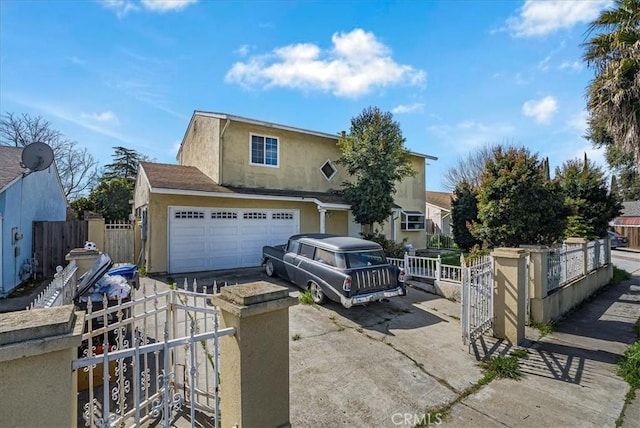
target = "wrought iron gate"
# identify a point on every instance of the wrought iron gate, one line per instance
(149, 358)
(477, 298)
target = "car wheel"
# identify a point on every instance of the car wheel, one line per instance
(316, 293)
(269, 269)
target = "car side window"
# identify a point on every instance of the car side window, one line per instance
(325, 257)
(293, 246)
(307, 251)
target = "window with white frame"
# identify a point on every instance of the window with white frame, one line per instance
(264, 150)
(412, 220)
(328, 170)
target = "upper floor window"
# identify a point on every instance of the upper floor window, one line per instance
(412, 220)
(264, 150)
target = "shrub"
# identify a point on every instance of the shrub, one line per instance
(629, 365)
(391, 248)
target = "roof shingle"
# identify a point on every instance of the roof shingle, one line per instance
(439, 199)
(10, 168)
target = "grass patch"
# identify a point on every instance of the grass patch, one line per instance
(631, 394)
(306, 298)
(520, 353)
(629, 365)
(545, 329)
(494, 368)
(619, 275)
(503, 367)
(295, 337)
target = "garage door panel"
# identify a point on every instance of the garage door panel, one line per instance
(223, 238)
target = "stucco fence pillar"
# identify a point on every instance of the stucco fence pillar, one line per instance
(95, 231)
(254, 363)
(510, 293)
(37, 384)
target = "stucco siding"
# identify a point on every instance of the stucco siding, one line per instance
(201, 147)
(36, 197)
(158, 220)
(299, 160)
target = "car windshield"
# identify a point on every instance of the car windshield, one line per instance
(358, 259)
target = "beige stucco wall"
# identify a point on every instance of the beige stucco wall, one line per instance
(200, 147)
(556, 304)
(157, 221)
(300, 158)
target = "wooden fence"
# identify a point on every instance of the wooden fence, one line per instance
(52, 240)
(118, 241)
(632, 233)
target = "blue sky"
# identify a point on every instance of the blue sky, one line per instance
(456, 74)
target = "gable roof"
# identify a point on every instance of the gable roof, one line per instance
(631, 209)
(439, 199)
(182, 179)
(225, 116)
(10, 165)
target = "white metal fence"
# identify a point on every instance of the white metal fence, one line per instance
(147, 358)
(438, 240)
(60, 291)
(477, 298)
(428, 268)
(567, 263)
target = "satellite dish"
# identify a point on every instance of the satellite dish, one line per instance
(37, 156)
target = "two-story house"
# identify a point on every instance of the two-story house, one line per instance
(242, 183)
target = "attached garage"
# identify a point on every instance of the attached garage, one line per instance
(202, 239)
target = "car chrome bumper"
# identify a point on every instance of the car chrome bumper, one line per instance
(347, 302)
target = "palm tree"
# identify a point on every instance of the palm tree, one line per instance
(614, 94)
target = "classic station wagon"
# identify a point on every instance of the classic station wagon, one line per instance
(343, 269)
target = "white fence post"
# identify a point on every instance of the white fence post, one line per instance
(438, 265)
(407, 269)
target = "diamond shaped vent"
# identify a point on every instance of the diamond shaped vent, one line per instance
(328, 170)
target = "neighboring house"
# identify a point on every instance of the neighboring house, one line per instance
(243, 183)
(24, 198)
(628, 224)
(438, 212)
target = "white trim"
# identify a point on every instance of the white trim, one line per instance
(253, 134)
(12, 182)
(164, 191)
(225, 116)
(335, 169)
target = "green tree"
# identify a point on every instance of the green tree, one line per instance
(124, 165)
(464, 212)
(77, 168)
(622, 164)
(613, 96)
(374, 155)
(586, 195)
(80, 205)
(111, 198)
(516, 205)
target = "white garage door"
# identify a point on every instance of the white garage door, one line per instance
(221, 238)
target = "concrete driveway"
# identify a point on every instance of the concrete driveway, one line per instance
(378, 365)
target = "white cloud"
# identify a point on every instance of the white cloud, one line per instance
(469, 134)
(355, 64)
(544, 64)
(242, 50)
(573, 66)
(541, 110)
(578, 122)
(539, 18)
(408, 108)
(123, 7)
(105, 116)
(166, 5)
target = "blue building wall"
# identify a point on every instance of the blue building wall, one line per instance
(36, 197)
